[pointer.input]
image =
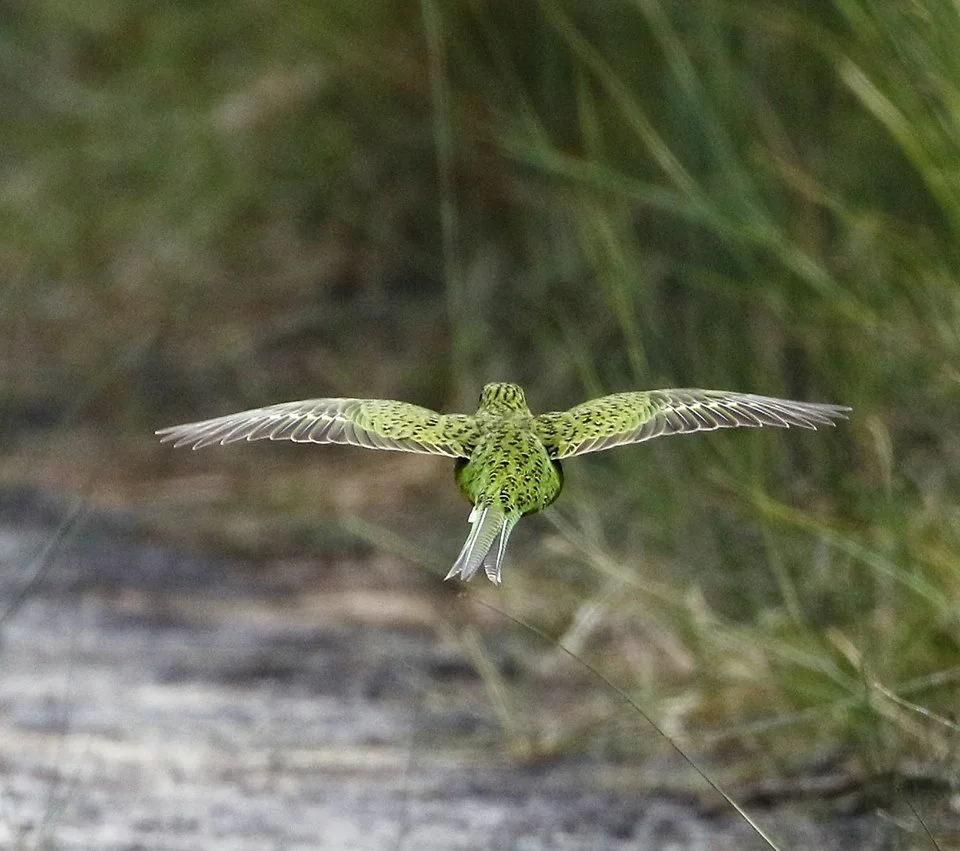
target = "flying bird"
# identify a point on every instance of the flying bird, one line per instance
(507, 458)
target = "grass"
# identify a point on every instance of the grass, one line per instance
(584, 199)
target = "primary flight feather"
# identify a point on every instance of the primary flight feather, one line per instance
(507, 459)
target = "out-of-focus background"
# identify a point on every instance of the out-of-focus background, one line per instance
(211, 206)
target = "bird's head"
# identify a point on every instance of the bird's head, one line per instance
(503, 399)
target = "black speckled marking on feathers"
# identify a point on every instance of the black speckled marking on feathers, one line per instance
(507, 459)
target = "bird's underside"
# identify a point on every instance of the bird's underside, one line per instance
(501, 481)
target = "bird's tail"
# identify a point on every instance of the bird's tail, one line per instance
(487, 542)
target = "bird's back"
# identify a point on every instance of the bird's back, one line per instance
(510, 467)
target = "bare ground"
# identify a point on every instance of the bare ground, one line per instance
(154, 699)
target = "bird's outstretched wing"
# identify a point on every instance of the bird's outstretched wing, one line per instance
(634, 417)
(373, 423)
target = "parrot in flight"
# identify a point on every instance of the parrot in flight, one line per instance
(507, 459)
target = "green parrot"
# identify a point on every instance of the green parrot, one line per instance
(507, 459)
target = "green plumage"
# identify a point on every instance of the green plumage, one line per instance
(508, 459)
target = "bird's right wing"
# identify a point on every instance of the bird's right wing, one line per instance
(634, 417)
(373, 423)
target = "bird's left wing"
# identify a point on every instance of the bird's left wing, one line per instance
(373, 423)
(634, 417)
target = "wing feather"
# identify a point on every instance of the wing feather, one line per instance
(635, 417)
(372, 423)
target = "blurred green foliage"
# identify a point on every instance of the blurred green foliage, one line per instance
(215, 204)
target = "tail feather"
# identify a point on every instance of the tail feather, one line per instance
(489, 524)
(491, 564)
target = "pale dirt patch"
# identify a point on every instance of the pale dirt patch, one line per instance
(154, 699)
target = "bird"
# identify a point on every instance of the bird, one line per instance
(507, 459)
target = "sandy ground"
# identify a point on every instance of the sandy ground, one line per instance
(153, 699)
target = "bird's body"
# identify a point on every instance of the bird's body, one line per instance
(509, 473)
(508, 459)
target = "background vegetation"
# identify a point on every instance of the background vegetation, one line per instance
(212, 205)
